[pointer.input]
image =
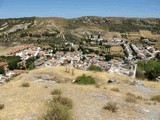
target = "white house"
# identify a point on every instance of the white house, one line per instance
(10, 73)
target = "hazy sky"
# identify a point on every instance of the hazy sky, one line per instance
(77, 8)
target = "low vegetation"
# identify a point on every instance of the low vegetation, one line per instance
(56, 92)
(25, 85)
(111, 106)
(95, 68)
(97, 85)
(1, 106)
(156, 98)
(59, 109)
(85, 80)
(131, 98)
(115, 89)
(63, 100)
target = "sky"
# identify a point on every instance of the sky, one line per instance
(78, 8)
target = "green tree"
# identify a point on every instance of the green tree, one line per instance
(158, 56)
(152, 74)
(151, 69)
(97, 52)
(108, 47)
(12, 65)
(2, 71)
(30, 63)
(108, 57)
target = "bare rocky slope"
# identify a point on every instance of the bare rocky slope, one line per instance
(40, 30)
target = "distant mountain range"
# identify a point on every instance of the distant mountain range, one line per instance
(46, 30)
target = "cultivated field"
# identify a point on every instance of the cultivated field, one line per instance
(6, 50)
(117, 50)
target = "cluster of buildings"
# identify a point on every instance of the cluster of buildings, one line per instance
(29, 52)
(145, 53)
(25, 52)
(9, 73)
(114, 42)
(123, 68)
(82, 61)
(96, 38)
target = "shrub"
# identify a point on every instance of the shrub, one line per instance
(95, 68)
(7, 80)
(131, 98)
(1, 106)
(115, 89)
(111, 106)
(59, 109)
(56, 92)
(25, 85)
(97, 86)
(85, 80)
(63, 100)
(156, 98)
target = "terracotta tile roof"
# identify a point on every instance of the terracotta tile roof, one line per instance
(31, 52)
(3, 64)
(92, 55)
(21, 71)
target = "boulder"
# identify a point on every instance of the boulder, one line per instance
(112, 80)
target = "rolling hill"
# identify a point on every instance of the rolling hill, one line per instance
(58, 30)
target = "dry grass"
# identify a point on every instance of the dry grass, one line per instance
(63, 100)
(156, 98)
(18, 105)
(113, 34)
(18, 102)
(132, 98)
(59, 109)
(146, 33)
(5, 50)
(115, 89)
(25, 84)
(133, 36)
(56, 92)
(117, 50)
(151, 84)
(59, 73)
(111, 106)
